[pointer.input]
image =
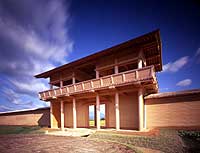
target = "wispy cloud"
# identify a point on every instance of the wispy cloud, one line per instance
(4, 108)
(176, 65)
(163, 89)
(197, 55)
(184, 83)
(34, 38)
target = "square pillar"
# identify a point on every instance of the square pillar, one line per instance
(117, 115)
(74, 113)
(62, 115)
(98, 111)
(141, 109)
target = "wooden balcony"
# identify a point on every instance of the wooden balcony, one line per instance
(121, 79)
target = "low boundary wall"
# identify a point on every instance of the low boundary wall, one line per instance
(173, 109)
(40, 116)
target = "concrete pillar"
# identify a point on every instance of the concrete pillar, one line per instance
(97, 74)
(74, 113)
(98, 111)
(62, 115)
(139, 63)
(117, 115)
(140, 108)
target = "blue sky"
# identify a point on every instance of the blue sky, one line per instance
(37, 35)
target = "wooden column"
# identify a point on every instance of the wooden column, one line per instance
(140, 108)
(74, 114)
(62, 115)
(117, 115)
(116, 67)
(95, 114)
(97, 74)
(73, 79)
(98, 111)
(61, 83)
(145, 116)
(139, 63)
(51, 115)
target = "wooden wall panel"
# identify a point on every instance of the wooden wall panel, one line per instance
(128, 107)
(82, 111)
(68, 114)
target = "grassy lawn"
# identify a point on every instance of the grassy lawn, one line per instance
(21, 130)
(102, 123)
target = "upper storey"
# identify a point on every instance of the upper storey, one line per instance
(136, 53)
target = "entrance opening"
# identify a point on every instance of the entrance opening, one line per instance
(102, 115)
(92, 115)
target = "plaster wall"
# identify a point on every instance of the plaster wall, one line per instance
(31, 118)
(175, 111)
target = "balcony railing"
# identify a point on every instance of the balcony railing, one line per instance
(110, 81)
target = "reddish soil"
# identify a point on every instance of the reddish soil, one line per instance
(45, 143)
(153, 132)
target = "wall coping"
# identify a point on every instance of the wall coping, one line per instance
(24, 110)
(173, 94)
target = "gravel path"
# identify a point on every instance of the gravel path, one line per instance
(57, 144)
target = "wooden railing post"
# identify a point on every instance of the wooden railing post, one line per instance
(136, 74)
(83, 87)
(92, 85)
(123, 78)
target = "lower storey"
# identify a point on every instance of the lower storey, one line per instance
(123, 110)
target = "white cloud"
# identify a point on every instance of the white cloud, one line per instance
(184, 83)
(163, 89)
(198, 52)
(34, 38)
(5, 108)
(177, 65)
(197, 55)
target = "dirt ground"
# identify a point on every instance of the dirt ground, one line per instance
(57, 144)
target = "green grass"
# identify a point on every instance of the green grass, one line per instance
(20, 129)
(102, 123)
